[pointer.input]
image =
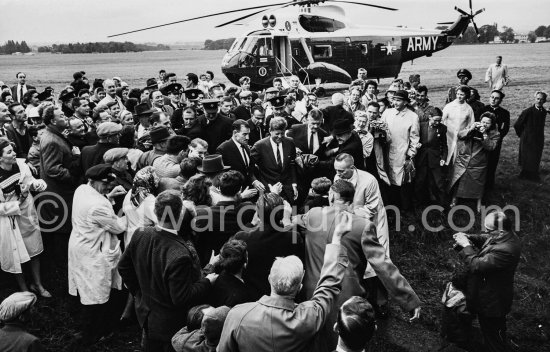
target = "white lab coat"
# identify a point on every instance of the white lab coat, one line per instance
(403, 129)
(94, 250)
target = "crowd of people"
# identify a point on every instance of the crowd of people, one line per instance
(218, 217)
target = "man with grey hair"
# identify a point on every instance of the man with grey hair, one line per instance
(110, 90)
(290, 326)
(336, 112)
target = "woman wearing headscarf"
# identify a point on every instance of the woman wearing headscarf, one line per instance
(139, 203)
(470, 167)
(20, 238)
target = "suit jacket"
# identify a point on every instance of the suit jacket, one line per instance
(280, 243)
(353, 146)
(231, 155)
(278, 323)
(216, 132)
(162, 272)
(301, 139)
(362, 246)
(333, 113)
(15, 93)
(92, 155)
(434, 145)
(229, 291)
(214, 225)
(266, 169)
(257, 132)
(243, 113)
(491, 273)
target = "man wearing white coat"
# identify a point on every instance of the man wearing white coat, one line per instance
(403, 130)
(94, 252)
(367, 202)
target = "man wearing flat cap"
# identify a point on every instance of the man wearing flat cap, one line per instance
(108, 133)
(14, 312)
(94, 252)
(118, 159)
(217, 127)
(142, 112)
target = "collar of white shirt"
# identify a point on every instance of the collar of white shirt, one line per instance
(172, 231)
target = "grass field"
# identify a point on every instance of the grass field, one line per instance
(425, 258)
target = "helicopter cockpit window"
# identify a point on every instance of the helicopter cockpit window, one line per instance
(320, 24)
(322, 51)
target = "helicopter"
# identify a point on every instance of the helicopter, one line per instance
(313, 40)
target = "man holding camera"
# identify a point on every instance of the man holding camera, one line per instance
(491, 270)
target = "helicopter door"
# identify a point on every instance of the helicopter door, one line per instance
(283, 54)
(359, 53)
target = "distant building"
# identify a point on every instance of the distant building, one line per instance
(497, 40)
(521, 38)
(541, 39)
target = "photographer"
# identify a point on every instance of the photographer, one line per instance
(491, 268)
(470, 167)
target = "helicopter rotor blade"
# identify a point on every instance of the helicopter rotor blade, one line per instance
(240, 18)
(444, 22)
(476, 29)
(364, 4)
(462, 11)
(479, 11)
(200, 17)
(471, 7)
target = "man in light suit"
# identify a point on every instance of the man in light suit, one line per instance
(19, 90)
(274, 159)
(362, 247)
(368, 202)
(236, 153)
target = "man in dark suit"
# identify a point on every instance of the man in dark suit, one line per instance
(362, 247)
(274, 158)
(108, 133)
(257, 125)
(430, 159)
(244, 111)
(19, 90)
(491, 262)
(236, 152)
(217, 127)
(190, 126)
(345, 140)
(268, 234)
(336, 112)
(502, 123)
(163, 273)
(213, 226)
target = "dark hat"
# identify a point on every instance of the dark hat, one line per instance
(143, 110)
(49, 89)
(172, 87)
(159, 134)
(98, 83)
(464, 72)
(44, 95)
(193, 94)
(340, 127)
(150, 87)
(212, 164)
(402, 94)
(78, 75)
(101, 172)
(106, 129)
(114, 154)
(278, 102)
(210, 105)
(66, 95)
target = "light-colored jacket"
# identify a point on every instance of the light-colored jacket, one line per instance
(94, 250)
(20, 238)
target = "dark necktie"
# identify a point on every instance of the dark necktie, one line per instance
(245, 156)
(311, 147)
(279, 161)
(20, 97)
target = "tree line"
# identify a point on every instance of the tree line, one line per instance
(100, 47)
(11, 47)
(220, 44)
(488, 33)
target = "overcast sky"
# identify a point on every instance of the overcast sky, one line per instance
(62, 21)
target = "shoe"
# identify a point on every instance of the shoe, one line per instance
(42, 292)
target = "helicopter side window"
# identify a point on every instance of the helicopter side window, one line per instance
(322, 51)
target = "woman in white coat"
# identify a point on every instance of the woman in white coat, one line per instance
(20, 238)
(457, 115)
(94, 250)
